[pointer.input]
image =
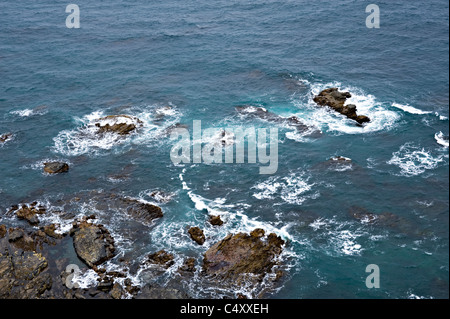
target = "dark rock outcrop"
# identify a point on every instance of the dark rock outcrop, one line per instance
(93, 243)
(119, 124)
(215, 221)
(197, 235)
(162, 258)
(56, 167)
(23, 269)
(242, 254)
(335, 99)
(140, 211)
(21, 275)
(30, 213)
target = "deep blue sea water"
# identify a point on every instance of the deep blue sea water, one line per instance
(170, 62)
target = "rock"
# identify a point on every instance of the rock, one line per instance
(336, 100)
(197, 235)
(50, 230)
(257, 233)
(105, 285)
(119, 124)
(143, 212)
(162, 258)
(6, 276)
(22, 240)
(28, 265)
(117, 291)
(93, 243)
(293, 121)
(21, 276)
(241, 253)
(188, 265)
(149, 292)
(15, 234)
(29, 213)
(362, 119)
(340, 159)
(215, 221)
(385, 219)
(56, 167)
(5, 137)
(3, 231)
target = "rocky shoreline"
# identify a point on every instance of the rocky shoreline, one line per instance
(31, 269)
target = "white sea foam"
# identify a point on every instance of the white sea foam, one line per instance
(30, 112)
(86, 140)
(85, 278)
(328, 120)
(23, 113)
(441, 139)
(292, 189)
(340, 238)
(413, 160)
(410, 109)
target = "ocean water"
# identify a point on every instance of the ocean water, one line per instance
(169, 62)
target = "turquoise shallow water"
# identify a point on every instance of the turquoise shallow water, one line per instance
(203, 59)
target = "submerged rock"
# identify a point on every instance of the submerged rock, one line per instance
(242, 254)
(93, 243)
(197, 235)
(293, 121)
(119, 124)
(56, 167)
(335, 99)
(386, 219)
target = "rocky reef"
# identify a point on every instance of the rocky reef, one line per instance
(118, 124)
(335, 99)
(292, 121)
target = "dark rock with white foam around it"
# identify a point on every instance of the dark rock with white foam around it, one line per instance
(56, 167)
(242, 254)
(335, 99)
(197, 235)
(5, 137)
(119, 124)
